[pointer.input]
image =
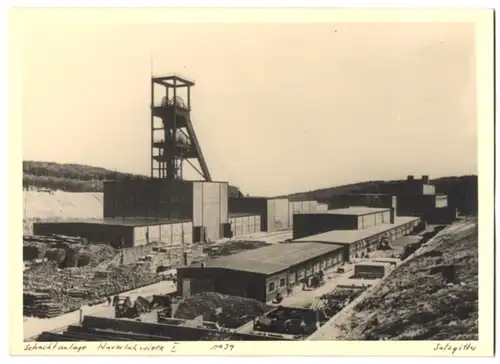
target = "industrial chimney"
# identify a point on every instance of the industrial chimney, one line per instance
(410, 178)
(392, 215)
(425, 180)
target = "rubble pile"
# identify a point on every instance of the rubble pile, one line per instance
(220, 308)
(66, 251)
(333, 302)
(231, 247)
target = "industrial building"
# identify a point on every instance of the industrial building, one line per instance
(419, 199)
(358, 241)
(366, 199)
(272, 211)
(276, 213)
(412, 197)
(351, 218)
(304, 207)
(261, 273)
(140, 210)
(243, 224)
(203, 203)
(122, 233)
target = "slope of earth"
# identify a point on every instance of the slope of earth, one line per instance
(59, 205)
(432, 296)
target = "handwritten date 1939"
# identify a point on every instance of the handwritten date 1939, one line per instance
(222, 347)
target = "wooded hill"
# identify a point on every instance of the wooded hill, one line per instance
(445, 185)
(76, 177)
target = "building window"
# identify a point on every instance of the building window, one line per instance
(282, 282)
(291, 278)
(309, 271)
(323, 264)
(271, 287)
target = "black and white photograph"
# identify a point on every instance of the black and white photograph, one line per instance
(257, 181)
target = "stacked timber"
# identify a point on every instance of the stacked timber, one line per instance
(40, 305)
(65, 290)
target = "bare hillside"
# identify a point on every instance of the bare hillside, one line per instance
(432, 296)
(60, 205)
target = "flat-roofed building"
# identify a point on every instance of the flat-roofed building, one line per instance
(351, 218)
(356, 241)
(122, 233)
(260, 273)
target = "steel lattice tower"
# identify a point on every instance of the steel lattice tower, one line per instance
(174, 141)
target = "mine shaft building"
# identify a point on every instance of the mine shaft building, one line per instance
(143, 210)
(203, 203)
(260, 273)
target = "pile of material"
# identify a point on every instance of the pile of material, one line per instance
(118, 279)
(232, 247)
(66, 251)
(53, 239)
(71, 273)
(333, 302)
(228, 310)
(418, 301)
(71, 288)
(41, 305)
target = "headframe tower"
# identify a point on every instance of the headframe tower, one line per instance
(174, 141)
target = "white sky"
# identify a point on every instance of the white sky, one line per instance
(277, 108)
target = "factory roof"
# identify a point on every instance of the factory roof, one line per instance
(351, 236)
(132, 222)
(357, 210)
(273, 258)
